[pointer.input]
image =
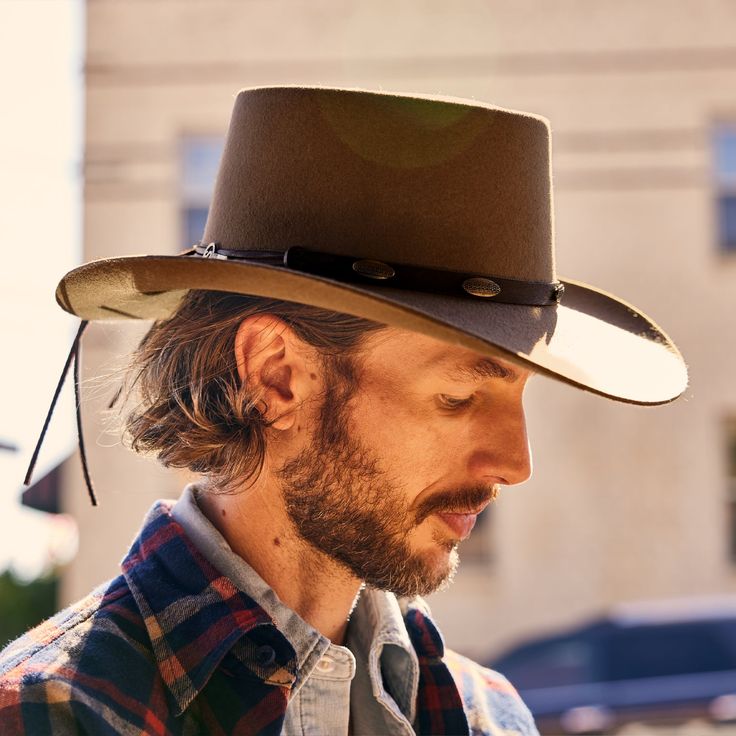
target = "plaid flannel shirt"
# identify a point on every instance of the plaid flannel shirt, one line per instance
(173, 647)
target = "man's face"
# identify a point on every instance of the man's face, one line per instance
(399, 466)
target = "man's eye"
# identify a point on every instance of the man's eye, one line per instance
(453, 402)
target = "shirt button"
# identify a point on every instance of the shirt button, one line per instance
(325, 665)
(265, 655)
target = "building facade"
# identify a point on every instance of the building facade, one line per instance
(626, 502)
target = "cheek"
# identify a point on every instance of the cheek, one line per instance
(407, 435)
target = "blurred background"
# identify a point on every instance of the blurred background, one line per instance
(113, 118)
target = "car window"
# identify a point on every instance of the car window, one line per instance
(663, 650)
(727, 629)
(549, 664)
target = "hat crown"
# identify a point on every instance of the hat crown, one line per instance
(435, 182)
(368, 203)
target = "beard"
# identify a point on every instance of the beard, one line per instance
(343, 504)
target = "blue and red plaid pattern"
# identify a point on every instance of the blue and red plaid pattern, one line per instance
(173, 647)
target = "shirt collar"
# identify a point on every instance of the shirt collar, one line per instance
(380, 625)
(307, 642)
(194, 615)
(378, 630)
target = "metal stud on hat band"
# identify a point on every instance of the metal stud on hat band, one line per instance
(374, 269)
(481, 287)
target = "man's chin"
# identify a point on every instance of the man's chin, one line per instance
(443, 578)
(426, 578)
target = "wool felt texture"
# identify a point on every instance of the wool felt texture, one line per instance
(428, 181)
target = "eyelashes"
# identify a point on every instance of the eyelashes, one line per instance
(454, 403)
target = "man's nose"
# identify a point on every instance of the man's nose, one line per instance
(501, 451)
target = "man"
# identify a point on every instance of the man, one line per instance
(342, 359)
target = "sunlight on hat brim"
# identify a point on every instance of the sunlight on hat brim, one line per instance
(591, 340)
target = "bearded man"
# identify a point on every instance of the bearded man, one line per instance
(342, 359)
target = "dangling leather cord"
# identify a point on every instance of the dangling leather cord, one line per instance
(73, 354)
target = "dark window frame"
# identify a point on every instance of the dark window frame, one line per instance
(724, 168)
(199, 159)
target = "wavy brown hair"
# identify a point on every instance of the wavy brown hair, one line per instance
(193, 411)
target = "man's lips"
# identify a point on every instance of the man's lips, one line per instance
(461, 516)
(461, 524)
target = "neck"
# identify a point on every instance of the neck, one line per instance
(255, 525)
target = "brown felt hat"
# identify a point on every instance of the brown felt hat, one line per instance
(433, 214)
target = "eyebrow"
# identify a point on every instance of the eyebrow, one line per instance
(479, 370)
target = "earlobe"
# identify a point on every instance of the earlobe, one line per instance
(269, 364)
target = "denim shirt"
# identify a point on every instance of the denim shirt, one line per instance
(370, 684)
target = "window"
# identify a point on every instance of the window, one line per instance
(667, 650)
(200, 158)
(730, 435)
(555, 663)
(476, 549)
(725, 172)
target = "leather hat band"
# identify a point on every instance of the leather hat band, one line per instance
(401, 276)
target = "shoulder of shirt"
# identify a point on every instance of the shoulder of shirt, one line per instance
(491, 703)
(490, 700)
(66, 660)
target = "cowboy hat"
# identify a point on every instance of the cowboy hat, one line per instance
(429, 213)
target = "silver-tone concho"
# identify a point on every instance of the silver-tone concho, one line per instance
(373, 269)
(479, 286)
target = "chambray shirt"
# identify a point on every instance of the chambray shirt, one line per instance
(172, 647)
(332, 681)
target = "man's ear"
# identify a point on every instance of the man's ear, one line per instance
(273, 363)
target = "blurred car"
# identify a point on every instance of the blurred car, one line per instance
(663, 662)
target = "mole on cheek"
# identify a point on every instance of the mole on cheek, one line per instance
(313, 376)
(223, 512)
(277, 541)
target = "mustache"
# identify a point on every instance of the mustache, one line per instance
(463, 501)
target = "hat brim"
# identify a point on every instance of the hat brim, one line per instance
(592, 339)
